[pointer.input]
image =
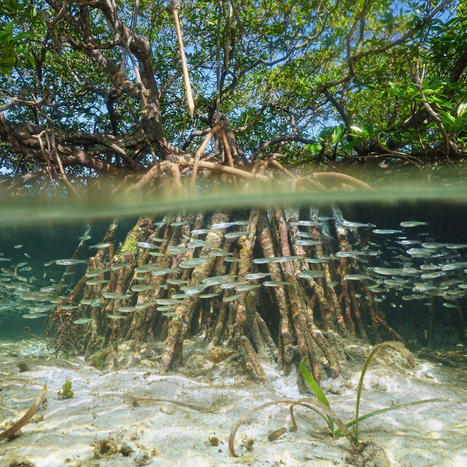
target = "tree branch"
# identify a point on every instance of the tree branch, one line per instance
(418, 81)
(278, 140)
(405, 36)
(20, 101)
(200, 151)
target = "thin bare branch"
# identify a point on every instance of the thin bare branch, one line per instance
(175, 7)
(200, 151)
(279, 140)
(228, 153)
(19, 101)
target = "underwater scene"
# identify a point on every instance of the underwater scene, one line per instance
(233, 233)
(320, 332)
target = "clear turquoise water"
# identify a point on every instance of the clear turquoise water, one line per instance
(48, 229)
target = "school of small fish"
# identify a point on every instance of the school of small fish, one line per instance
(396, 264)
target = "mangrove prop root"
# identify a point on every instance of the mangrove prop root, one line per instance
(29, 331)
(251, 359)
(337, 312)
(247, 243)
(286, 350)
(345, 298)
(252, 324)
(306, 347)
(10, 432)
(219, 327)
(180, 323)
(224, 316)
(316, 288)
(245, 311)
(266, 335)
(291, 319)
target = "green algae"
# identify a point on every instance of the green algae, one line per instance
(66, 392)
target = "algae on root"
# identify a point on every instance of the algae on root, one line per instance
(130, 245)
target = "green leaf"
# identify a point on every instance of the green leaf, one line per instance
(337, 134)
(447, 116)
(440, 101)
(317, 391)
(349, 146)
(461, 109)
(389, 409)
(314, 147)
(356, 129)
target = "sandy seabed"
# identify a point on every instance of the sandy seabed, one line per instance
(113, 419)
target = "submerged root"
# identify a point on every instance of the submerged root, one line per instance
(252, 363)
(165, 282)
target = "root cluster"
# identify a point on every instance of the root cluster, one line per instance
(300, 308)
